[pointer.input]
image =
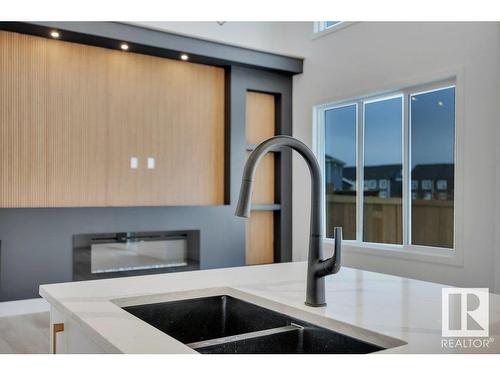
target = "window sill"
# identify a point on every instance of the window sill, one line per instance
(428, 254)
(333, 29)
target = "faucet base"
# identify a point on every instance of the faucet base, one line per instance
(314, 304)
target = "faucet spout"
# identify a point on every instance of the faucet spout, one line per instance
(317, 268)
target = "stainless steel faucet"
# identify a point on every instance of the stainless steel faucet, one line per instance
(317, 268)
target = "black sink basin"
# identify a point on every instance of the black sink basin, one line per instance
(304, 340)
(223, 324)
(207, 318)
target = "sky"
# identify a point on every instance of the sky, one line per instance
(432, 130)
(433, 127)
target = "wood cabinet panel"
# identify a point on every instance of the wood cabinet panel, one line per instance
(260, 238)
(260, 117)
(263, 190)
(73, 115)
(260, 125)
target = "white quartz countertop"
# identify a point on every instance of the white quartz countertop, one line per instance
(401, 314)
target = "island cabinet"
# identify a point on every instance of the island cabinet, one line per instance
(87, 126)
(67, 336)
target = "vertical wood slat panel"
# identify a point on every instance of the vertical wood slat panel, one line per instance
(128, 120)
(260, 125)
(193, 96)
(76, 134)
(19, 99)
(73, 115)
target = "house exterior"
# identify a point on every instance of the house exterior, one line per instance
(429, 181)
(333, 174)
(382, 181)
(433, 181)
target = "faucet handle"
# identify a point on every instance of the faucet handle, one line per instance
(337, 234)
(337, 247)
(332, 265)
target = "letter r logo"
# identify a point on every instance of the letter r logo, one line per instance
(465, 312)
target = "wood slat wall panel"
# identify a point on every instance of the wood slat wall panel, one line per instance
(73, 115)
(198, 161)
(129, 127)
(75, 131)
(23, 151)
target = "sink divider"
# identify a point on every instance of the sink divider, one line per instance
(244, 336)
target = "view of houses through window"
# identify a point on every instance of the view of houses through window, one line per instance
(340, 170)
(432, 124)
(369, 135)
(383, 170)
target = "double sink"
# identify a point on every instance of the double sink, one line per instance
(226, 325)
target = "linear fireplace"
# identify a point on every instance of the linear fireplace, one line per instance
(107, 255)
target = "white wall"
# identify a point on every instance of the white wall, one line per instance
(266, 36)
(497, 212)
(370, 57)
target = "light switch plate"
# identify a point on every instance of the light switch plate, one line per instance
(134, 162)
(151, 163)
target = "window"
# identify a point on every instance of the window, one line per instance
(432, 134)
(393, 181)
(383, 159)
(325, 25)
(442, 184)
(370, 184)
(340, 170)
(426, 185)
(329, 24)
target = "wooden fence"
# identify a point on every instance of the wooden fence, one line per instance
(432, 220)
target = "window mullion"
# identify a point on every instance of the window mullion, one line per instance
(359, 171)
(406, 171)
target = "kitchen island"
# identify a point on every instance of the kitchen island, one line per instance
(397, 314)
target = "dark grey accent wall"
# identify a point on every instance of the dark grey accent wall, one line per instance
(243, 80)
(36, 244)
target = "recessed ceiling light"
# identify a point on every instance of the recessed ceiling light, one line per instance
(124, 46)
(440, 103)
(184, 57)
(54, 34)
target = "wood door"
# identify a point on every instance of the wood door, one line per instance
(260, 125)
